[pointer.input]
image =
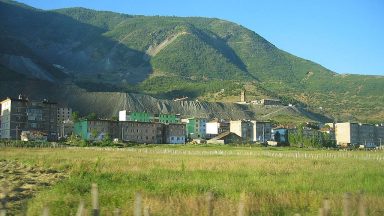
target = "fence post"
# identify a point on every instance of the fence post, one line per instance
(210, 198)
(80, 210)
(321, 212)
(117, 212)
(241, 211)
(138, 204)
(147, 211)
(45, 210)
(3, 199)
(361, 209)
(326, 207)
(95, 200)
(347, 204)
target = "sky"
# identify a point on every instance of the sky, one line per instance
(345, 36)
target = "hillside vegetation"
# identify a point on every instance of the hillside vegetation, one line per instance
(170, 57)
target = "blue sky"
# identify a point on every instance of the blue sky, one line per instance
(345, 36)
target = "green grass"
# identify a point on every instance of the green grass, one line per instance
(175, 179)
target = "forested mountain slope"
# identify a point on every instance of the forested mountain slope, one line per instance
(166, 57)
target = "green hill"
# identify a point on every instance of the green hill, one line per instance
(203, 58)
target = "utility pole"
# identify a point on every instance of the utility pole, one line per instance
(122, 132)
(63, 131)
(263, 133)
(17, 132)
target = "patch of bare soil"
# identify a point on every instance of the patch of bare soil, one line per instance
(19, 182)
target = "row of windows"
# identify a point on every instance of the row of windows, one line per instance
(177, 138)
(197, 125)
(141, 125)
(138, 131)
(141, 137)
(5, 125)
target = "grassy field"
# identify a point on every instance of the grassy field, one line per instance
(174, 180)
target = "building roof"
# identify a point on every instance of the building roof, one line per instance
(97, 120)
(27, 100)
(279, 128)
(223, 135)
(13, 99)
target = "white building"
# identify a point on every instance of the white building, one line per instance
(64, 114)
(252, 131)
(354, 134)
(214, 128)
(244, 129)
(123, 115)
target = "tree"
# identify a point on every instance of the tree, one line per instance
(91, 116)
(276, 136)
(75, 116)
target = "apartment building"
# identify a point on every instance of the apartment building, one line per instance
(262, 131)
(195, 127)
(167, 118)
(64, 122)
(243, 129)
(252, 131)
(216, 127)
(96, 130)
(142, 132)
(348, 133)
(64, 114)
(21, 114)
(124, 115)
(174, 133)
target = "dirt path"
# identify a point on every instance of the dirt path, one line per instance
(22, 181)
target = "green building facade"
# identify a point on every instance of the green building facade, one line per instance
(97, 129)
(81, 129)
(148, 117)
(140, 117)
(168, 118)
(195, 127)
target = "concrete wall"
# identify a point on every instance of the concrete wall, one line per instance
(142, 132)
(63, 113)
(343, 133)
(212, 127)
(359, 134)
(123, 115)
(23, 115)
(261, 131)
(175, 133)
(244, 129)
